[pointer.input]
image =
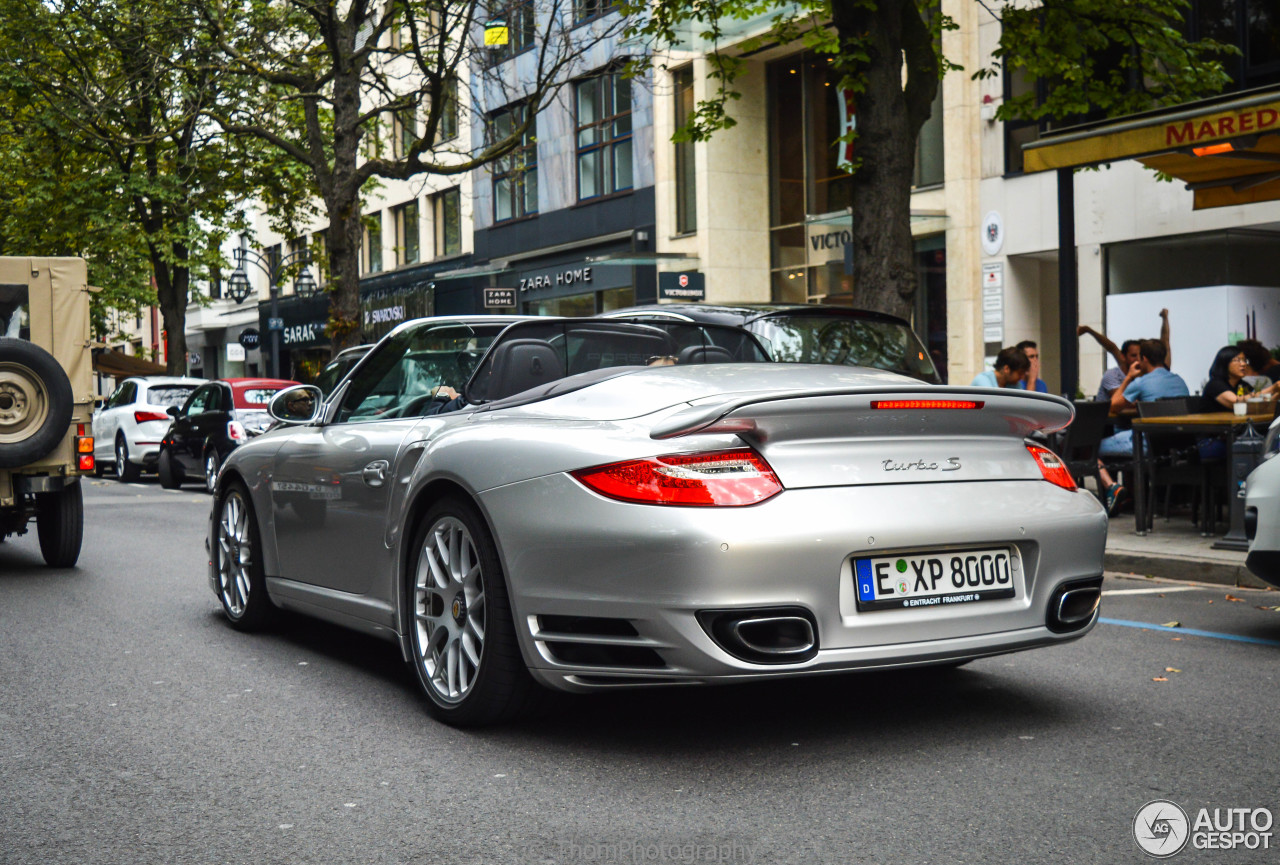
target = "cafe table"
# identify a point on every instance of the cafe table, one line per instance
(1245, 429)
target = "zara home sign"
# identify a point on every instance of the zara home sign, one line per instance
(570, 276)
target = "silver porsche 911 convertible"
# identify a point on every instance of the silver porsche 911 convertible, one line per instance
(621, 504)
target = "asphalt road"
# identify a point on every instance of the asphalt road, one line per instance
(136, 727)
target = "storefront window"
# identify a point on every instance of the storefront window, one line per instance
(810, 189)
(579, 305)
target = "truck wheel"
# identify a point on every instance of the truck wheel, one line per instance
(60, 525)
(35, 403)
(170, 475)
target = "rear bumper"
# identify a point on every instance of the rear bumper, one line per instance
(641, 576)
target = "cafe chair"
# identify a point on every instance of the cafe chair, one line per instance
(1173, 460)
(1079, 445)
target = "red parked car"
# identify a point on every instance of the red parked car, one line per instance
(216, 418)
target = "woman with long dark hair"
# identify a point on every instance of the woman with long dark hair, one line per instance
(1227, 385)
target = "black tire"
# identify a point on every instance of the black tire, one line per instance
(126, 472)
(242, 586)
(35, 403)
(497, 688)
(60, 525)
(171, 477)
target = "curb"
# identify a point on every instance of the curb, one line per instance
(1183, 568)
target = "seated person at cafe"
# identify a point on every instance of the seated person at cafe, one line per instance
(1147, 380)
(1033, 381)
(1126, 356)
(1265, 368)
(1228, 381)
(1011, 367)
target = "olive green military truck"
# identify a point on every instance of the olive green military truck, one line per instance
(46, 400)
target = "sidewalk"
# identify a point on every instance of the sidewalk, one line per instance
(1174, 549)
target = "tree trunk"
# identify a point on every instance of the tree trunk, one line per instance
(171, 296)
(346, 231)
(889, 121)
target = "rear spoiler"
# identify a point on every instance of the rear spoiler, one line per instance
(994, 411)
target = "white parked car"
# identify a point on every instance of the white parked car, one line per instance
(128, 428)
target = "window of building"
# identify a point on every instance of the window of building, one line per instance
(320, 257)
(373, 243)
(1253, 26)
(215, 282)
(581, 305)
(686, 176)
(406, 218)
(604, 135)
(404, 131)
(447, 128)
(274, 254)
(446, 216)
(515, 176)
(585, 10)
(518, 14)
(297, 258)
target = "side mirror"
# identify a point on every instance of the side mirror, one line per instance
(173, 411)
(296, 405)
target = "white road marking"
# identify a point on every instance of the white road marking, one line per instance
(1159, 591)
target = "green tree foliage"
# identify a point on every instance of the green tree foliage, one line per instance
(351, 91)
(119, 163)
(1098, 58)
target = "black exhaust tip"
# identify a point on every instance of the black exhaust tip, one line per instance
(1074, 605)
(771, 635)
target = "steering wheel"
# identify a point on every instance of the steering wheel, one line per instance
(835, 341)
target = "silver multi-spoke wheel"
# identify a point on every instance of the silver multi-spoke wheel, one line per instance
(449, 609)
(235, 554)
(211, 471)
(122, 459)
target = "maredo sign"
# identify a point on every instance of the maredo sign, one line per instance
(1245, 123)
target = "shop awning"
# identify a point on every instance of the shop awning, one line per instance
(1226, 150)
(117, 364)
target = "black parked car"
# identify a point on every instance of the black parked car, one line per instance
(216, 418)
(809, 333)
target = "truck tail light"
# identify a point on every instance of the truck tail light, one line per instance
(85, 462)
(729, 478)
(1052, 467)
(84, 444)
(144, 416)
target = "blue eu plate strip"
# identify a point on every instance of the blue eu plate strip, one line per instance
(1190, 631)
(866, 589)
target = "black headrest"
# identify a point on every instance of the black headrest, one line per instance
(521, 364)
(704, 354)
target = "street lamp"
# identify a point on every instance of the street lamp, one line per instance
(238, 288)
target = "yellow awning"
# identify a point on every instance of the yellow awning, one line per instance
(1226, 150)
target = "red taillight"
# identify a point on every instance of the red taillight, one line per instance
(1052, 467)
(723, 479)
(235, 431)
(80, 429)
(900, 404)
(85, 463)
(144, 416)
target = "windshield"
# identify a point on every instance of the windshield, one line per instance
(337, 369)
(534, 353)
(845, 341)
(405, 369)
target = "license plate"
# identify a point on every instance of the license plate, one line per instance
(934, 579)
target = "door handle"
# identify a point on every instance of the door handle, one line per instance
(375, 473)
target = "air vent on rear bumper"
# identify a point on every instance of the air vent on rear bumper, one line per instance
(593, 641)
